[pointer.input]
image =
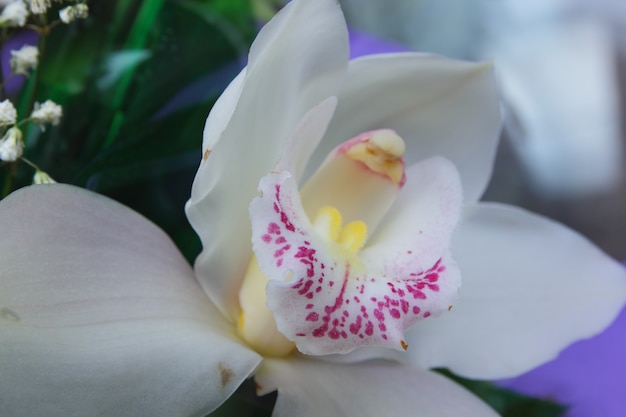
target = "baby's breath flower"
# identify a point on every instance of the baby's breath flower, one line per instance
(8, 114)
(39, 6)
(42, 177)
(11, 145)
(71, 13)
(46, 112)
(24, 59)
(14, 14)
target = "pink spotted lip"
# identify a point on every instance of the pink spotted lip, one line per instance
(331, 302)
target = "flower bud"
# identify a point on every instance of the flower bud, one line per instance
(11, 145)
(14, 14)
(8, 114)
(46, 112)
(24, 59)
(71, 13)
(39, 6)
(42, 177)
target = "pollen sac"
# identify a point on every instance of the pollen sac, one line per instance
(348, 264)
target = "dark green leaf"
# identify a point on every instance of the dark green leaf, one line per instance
(506, 402)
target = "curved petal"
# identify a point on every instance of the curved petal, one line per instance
(296, 61)
(309, 388)
(324, 297)
(439, 106)
(589, 376)
(100, 315)
(419, 225)
(530, 288)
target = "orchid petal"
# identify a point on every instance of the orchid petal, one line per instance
(531, 287)
(419, 226)
(378, 388)
(438, 106)
(296, 61)
(100, 315)
(327, 299)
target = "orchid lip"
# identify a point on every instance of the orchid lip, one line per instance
(324, 290)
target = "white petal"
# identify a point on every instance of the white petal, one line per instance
(438, 106)
(296, 61)
(419, 226)
(311, 388)
(530, 287)
(101, 316)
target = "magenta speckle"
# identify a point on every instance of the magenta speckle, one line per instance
(273, 229)
(333, 334)
(312, 316)
(356, 326)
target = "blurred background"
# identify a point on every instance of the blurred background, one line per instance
(560, 65)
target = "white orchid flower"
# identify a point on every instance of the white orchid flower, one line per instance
(101, 315)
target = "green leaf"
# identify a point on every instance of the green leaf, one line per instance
(506, 402)
(245, 403)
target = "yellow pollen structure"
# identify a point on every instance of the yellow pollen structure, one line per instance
(382, 153)
(328, 223)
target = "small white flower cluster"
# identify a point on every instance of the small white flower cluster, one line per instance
(11, 144)
(24, 59)
(42, 177)
(39, 6)
(71, 13)
(46, 112)
(8, 114)
(16, 12)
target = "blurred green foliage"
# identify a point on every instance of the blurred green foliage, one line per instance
(136, 81)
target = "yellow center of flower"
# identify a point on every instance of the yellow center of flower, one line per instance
(328, 223)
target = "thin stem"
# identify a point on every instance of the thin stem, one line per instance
(31, 163)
